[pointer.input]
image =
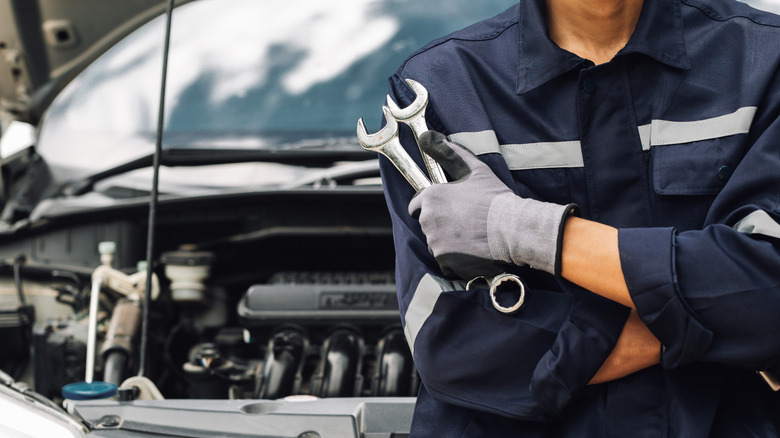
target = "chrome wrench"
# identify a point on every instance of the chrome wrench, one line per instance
(414, 116)
(386, 143)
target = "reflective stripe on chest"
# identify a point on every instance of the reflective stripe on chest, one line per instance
(568, 154)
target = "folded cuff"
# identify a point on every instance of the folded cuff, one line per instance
(647, 257)
(582, 345)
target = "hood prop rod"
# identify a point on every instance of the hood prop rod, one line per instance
(150, 238)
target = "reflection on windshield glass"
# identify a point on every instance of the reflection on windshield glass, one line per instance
(246, 73)
(266, 79)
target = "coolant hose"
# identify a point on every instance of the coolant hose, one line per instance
(114, 366)
(118, 346)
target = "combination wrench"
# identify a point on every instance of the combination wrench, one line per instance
(414, 116)
(386, 142)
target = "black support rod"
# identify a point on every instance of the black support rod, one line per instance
(153, 198)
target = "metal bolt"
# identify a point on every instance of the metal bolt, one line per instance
(110, 421)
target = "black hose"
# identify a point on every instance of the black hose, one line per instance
(114, 367)
(118, 345)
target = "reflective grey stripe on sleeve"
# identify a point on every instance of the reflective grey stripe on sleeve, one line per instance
(420, 308)
(665, 132)
(524, 155)
(759, 222)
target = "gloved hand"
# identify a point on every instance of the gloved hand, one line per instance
(475, 220)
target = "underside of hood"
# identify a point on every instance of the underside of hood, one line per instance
(45, 43)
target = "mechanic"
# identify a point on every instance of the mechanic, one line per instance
(623, 158)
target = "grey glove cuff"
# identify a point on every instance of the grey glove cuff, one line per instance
(526, 231)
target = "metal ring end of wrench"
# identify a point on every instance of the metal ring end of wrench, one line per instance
(474, 281)
(496, 281)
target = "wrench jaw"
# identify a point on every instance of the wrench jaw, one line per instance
(416, 107)
(376, 141)
(386, 143)
(414, 116)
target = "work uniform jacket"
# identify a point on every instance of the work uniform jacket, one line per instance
(675, 142)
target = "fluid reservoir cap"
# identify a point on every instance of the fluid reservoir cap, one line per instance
(187, 258)
(88, 390)
(107, 247)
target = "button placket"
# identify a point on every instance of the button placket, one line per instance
(724, 173)
(589, 85)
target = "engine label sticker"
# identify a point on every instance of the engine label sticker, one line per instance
(358, 300)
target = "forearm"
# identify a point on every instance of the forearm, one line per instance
(591, 259)
(636, 349)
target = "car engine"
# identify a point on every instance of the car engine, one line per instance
(255, 295)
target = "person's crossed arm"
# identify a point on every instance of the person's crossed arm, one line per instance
(475, 220)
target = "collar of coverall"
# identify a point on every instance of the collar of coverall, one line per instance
(658, 34)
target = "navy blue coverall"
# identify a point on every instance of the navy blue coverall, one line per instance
(675, 142)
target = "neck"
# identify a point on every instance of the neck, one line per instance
(592, 29)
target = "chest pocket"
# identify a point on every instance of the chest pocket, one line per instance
(697, 168)
(696, 157)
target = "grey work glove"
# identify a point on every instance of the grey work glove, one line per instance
(475, 220)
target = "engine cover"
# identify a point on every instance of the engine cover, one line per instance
(269, 304)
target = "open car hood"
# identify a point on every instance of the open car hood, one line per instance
(45, 43)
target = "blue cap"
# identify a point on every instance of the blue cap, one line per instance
(88, 390)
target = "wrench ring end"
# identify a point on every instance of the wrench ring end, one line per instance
(496, 282)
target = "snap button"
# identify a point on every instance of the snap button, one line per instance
(589, 85)
(724, 173)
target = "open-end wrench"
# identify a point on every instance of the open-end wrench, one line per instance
(414, 116)
(386, 143)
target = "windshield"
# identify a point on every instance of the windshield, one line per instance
(245, 74)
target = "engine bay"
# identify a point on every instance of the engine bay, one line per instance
(261, 295)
